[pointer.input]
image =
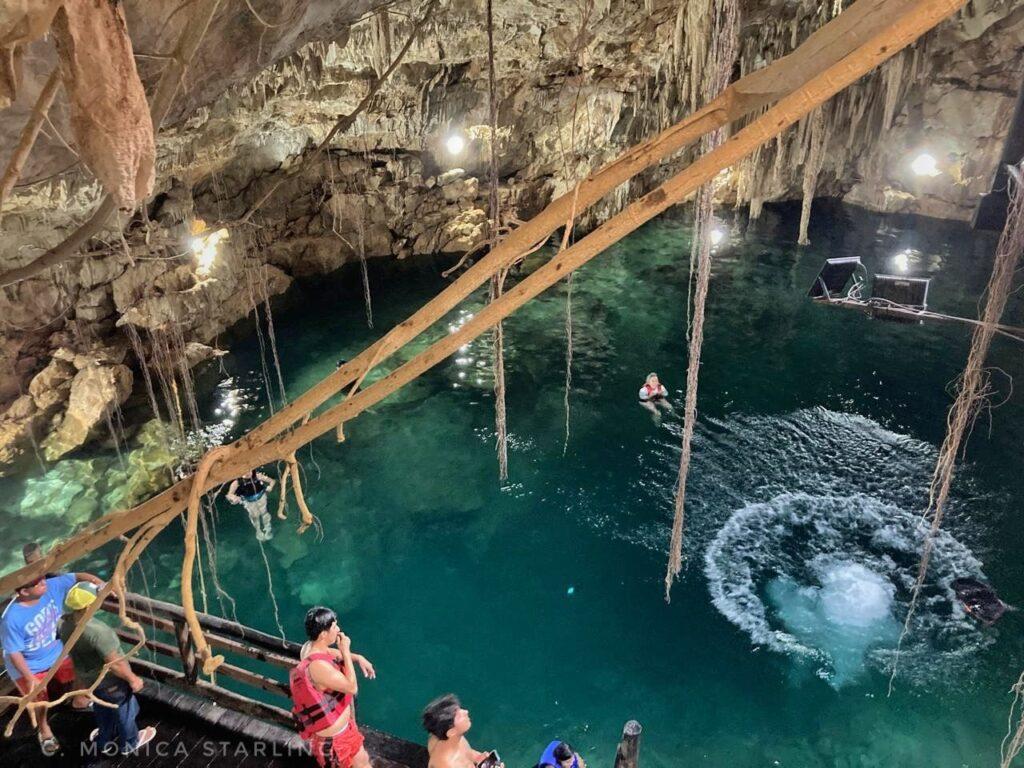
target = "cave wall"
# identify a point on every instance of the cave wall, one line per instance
(572, 96)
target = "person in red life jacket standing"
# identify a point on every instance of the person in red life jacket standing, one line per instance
(653, 396)
(323, 688)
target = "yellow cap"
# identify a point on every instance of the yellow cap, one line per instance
(80, 596)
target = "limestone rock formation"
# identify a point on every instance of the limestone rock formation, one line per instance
(109, 114)
(95, 391)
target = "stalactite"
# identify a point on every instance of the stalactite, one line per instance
(380, 41)
(812, 166)
(698, 30)
(108, 109)
(893, 81)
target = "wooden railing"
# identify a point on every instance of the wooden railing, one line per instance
(220, 633)
(235, 711)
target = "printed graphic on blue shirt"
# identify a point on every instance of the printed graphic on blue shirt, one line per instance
(32, 629)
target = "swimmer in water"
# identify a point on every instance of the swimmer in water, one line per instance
(653, 396)
(251, 492)
(558, 754)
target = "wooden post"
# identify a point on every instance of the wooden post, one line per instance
(628, 753)
(188, 652)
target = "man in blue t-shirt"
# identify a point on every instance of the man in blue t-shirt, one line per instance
(28, 634)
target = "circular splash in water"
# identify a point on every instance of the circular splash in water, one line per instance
(827, 579)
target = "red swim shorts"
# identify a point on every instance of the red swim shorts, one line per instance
(64, 677)
(339, 750)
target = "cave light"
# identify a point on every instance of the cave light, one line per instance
(717, 236)
(925, 165)
(204, 247)
(901, 261)
(455, 144)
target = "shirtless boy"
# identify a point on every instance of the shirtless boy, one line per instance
(447, 722)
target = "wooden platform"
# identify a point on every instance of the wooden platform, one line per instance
(191, 734)
(199, 722)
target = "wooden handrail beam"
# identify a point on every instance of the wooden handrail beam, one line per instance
(141, 607)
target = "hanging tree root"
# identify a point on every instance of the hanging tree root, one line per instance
(292, 470)
(282, 496)
(210, 662)
(28, 136)
(904, 22)
(970, 395)
(1013, 742)
(718, 66)
(498, 281)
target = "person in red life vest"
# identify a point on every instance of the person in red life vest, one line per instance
(653, 396)
(447, 722)
(323, 687)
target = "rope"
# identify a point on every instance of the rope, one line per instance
(367, 299)
(971, 393)
(270, 591)
(720, 58)
(498, 280)
(568, 358)
(1014, 739)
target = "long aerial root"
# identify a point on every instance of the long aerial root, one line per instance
(210, 662)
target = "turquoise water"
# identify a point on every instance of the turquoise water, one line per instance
(541, 603)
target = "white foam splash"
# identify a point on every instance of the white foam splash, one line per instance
(825, 579)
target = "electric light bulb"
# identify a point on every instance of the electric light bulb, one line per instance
(717, 236)
(925, 165)
(455, 144)
(204, 248)
(901, 261)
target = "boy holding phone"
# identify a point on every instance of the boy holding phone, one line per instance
(447, 721)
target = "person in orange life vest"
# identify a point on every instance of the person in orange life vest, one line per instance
(447, 722)
(653, 396)
(327, 669)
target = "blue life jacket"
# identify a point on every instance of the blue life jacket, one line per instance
(548, 758)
